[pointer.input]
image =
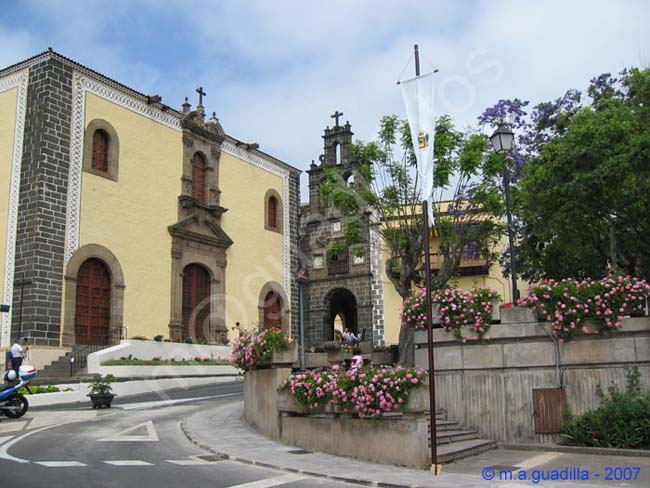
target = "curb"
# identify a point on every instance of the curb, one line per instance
(192, 438)
(600, 451)
(58, 381)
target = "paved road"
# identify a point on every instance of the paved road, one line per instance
(137, 443)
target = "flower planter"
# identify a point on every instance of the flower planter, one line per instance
(383, 357)
(418, 400)
(496, 311)
(316, 360)
(288, 357)
(102, 401)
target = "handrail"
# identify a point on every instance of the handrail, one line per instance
(79, 357)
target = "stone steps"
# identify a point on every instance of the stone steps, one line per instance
(462, 449)
(456, 443)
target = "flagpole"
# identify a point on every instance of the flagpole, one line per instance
(435, 467)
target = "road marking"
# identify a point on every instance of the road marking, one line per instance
(128, 463)
(536, 461)
(60, 464)
(13, 426)
(267, 483)
(189, 462)
(5, 438)
(165, 403)
(5, 447)
(124, 436)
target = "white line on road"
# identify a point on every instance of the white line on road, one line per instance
(275, 481)
(189, 462)
(129, 463)
(536, 461)
(5, 439)
(5, 447)
(125, 436)
(60, 464)
(165, 403)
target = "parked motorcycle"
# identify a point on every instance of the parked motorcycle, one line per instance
(12, 403)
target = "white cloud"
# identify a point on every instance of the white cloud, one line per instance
(275, 71)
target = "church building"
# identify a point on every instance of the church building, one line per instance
(122, 216)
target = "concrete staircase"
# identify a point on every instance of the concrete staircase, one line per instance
(58, 372)
(455, 443)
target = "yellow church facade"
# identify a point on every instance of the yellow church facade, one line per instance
(121, 216)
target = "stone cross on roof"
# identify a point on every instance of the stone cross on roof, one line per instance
(201, 93)
(336, 116)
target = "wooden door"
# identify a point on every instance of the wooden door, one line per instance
(196, 302)
(273, 311)
(93, 303)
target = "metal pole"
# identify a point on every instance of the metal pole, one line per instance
(302, 326)
(432, 384)
(435, 467)
(20, 312)
(513, 270)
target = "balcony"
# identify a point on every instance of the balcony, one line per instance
(470, 265)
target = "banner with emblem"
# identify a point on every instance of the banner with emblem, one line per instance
(418, 98)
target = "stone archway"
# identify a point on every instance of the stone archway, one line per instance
(82, 256)
(273, 309)
(341, 303)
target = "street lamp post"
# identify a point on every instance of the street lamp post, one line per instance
(502, 140)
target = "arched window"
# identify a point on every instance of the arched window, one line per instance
(272, 212)
(198, 177)
(101, 150)
(101, 144)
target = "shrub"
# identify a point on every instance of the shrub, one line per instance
(368, 392)
(570, 304)
(139, 338)
(257, 346)
(622, 420)
(158, 338)
(457, 309)
(189, 340)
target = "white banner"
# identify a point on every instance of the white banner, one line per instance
(418, 98)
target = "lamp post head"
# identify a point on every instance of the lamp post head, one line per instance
(502, 138)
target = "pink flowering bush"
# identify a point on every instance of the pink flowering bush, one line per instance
(459, 310)
(257, 346)
(570, 305)
(370, 391)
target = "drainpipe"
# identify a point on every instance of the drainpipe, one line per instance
(559, 377)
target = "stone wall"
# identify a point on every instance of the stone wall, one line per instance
(40, 235)
(489, 386)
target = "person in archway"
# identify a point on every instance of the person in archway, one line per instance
(350, 338)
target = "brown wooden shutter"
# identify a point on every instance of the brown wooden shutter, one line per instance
(100, 151)
(198, 178)
(273, 212)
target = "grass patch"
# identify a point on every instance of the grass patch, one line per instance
(41, 389)
(164, 362)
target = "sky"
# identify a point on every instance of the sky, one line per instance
(275, 70)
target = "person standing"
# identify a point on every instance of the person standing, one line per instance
(17, 355)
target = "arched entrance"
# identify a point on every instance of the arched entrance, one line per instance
(196, 302)
(92, 321)
(341, 307)
(272, 310)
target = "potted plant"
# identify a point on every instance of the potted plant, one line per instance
(101, 393)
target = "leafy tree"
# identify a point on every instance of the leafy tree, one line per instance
(390, 191)
(584, 196)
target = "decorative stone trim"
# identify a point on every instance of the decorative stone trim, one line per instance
(117, 289)
(18, 80)
(113, 149)
(377, 284)
(279, 215)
